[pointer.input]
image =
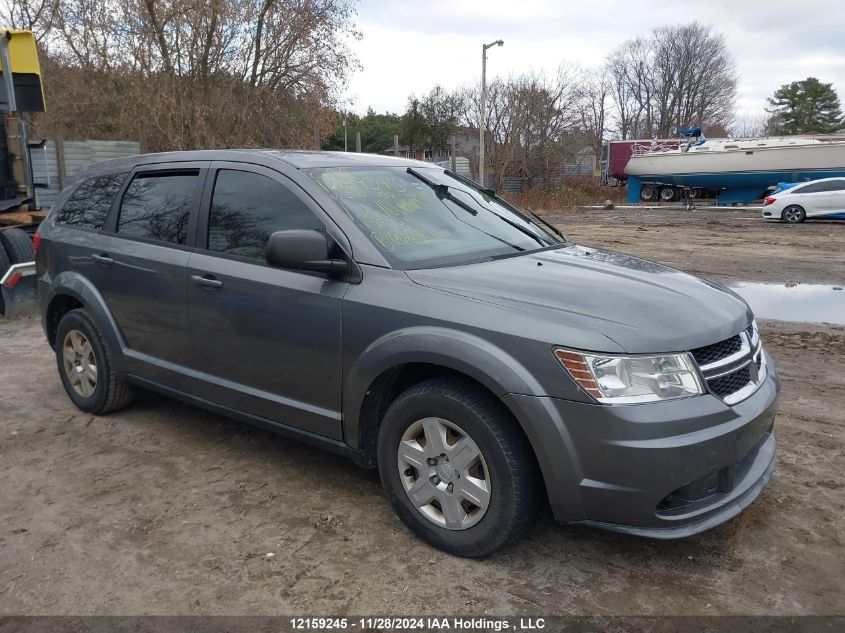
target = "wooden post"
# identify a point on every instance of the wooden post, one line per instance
(316, 136)
(60, 159)
(358, 142)
(396, 145)
(454, 156)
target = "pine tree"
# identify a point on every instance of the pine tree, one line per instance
(806, 107)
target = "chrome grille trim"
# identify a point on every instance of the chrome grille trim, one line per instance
(744, 351)
(750, 352)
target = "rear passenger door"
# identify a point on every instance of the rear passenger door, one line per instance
(141, 260)
(266, 339)
(835, 198)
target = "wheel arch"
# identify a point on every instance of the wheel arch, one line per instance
(399, 360)
(70, 290)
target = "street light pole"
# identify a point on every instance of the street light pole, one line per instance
(481, 114)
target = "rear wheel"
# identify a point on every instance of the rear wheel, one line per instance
(667, 194)
(4, 266)
(85, 367)
(793, 214)
(17, 244)
(456, 467)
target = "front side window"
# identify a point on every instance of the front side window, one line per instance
(158, 206)
(247, 207)
(89, 204)
(426, 217)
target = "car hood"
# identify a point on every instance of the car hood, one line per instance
(640, 305)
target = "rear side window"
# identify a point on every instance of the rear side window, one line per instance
(89, 204)
(247, 207)
(815, 187)
(158, 206)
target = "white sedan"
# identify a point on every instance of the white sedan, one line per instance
(796, 203)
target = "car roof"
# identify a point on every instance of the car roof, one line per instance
(298, 159)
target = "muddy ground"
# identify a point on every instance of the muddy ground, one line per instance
(167, 509)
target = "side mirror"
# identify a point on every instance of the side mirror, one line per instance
(302, 249)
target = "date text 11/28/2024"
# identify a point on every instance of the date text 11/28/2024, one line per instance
(416, 624)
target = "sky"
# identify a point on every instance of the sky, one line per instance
(408, 46)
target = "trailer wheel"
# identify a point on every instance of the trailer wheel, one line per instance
(647, 193)
(17, 245)
(4, 266)
(667, 194)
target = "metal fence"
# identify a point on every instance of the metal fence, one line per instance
(54, 165)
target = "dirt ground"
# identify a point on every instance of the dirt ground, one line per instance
(166, 509)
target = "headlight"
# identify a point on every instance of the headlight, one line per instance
(631, 379)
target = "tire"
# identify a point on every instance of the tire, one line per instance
(109, 392)
(793, 214)
(17, 245)
(648, 193)
(504, 467)
(668, 194)
(4, 266)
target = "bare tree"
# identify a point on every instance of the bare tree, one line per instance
(181, 74)
(679, 76)
(594, 103)
(530, 122)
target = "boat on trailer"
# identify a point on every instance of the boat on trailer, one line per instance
(741, 170)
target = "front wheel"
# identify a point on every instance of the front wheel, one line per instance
(793, 214)
(456, 467)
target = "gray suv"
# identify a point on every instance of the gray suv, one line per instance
(401, 315)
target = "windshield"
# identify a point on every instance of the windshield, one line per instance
(417, 222)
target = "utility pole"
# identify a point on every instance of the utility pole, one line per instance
(481, 114)
(345, 145)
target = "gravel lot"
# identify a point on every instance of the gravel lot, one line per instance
(166, 509)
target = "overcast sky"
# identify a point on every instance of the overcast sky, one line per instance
(409, 46)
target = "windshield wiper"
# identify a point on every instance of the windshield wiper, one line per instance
(442, 191)
(492, 194)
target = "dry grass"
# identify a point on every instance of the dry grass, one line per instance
(573, 193)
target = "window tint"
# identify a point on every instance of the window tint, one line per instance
(246, 208)
(158, 206)
(89, 204)
(812, 188)
(836, 185)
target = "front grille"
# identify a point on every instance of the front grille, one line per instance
(726, 385)
(731, 365)
(717, 351)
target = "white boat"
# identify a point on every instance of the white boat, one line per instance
(741, 168)
(788, 153)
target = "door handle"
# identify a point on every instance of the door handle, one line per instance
(102, 259)
(206, 281)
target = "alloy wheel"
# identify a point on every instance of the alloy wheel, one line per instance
(792, 214)
(444, 473)
(79, 363)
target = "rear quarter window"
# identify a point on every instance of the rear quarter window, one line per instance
(89, 204)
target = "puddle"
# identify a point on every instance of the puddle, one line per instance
(808, 303)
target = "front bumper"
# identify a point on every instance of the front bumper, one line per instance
(662, 470)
